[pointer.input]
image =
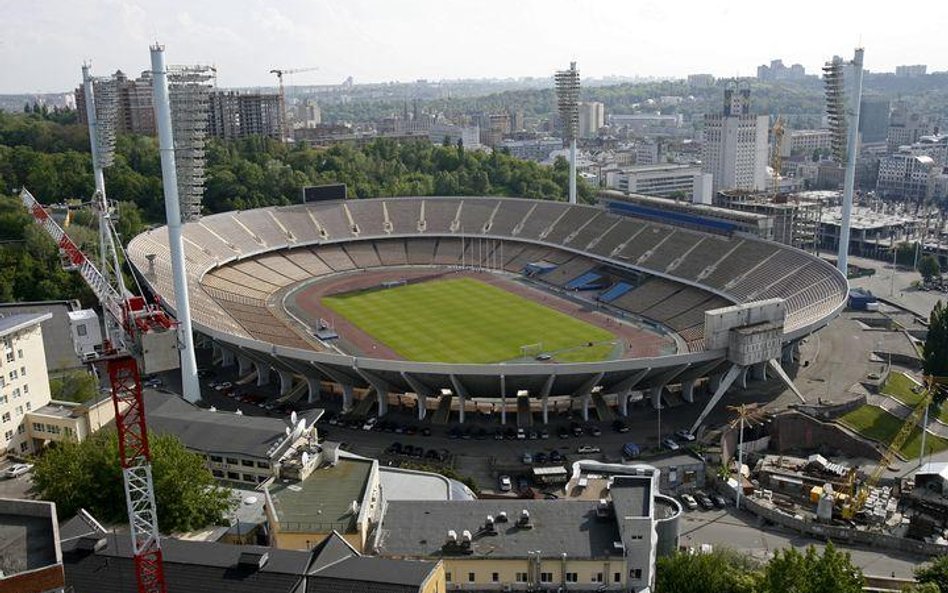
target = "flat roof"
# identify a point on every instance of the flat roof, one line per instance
(19, 321)
(418, 529)
(57, 332)
(324, 499)
(632, 496)
(27, 535)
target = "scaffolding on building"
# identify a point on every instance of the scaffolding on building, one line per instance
(106, 94)
(189, 89)
(834, 85)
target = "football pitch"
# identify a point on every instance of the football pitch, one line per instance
(464, 320)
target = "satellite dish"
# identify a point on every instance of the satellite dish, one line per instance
(212, 409)
(287, 430)
(298, 429)
(305, 458)
(293, 417)
(239, 413)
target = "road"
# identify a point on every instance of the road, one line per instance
(739, 531)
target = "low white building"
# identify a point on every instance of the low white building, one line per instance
(24, 383)
(664, 180)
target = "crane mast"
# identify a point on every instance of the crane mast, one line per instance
(148, 338)
(279, 73)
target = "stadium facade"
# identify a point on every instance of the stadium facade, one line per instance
(241, 265)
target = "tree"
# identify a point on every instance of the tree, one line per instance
(935, 351)
(929, 268)
(810, 572)
(721, 571)
(88, 475)
(934, 573)
(77, 386)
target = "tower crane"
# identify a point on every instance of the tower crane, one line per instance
(280, 72)
(932, 386)
(147, 341)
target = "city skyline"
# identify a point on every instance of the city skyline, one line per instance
(42, 46)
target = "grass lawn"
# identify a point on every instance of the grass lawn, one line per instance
(899, 386)
(465, 320)
(876, 423)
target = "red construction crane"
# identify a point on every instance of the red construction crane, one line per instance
(147, 341)
(280, 72)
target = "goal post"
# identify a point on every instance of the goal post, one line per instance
(531, 350)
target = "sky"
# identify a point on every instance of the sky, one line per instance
(44, 42)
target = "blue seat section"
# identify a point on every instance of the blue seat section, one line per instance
(583, 281)
(615, 291)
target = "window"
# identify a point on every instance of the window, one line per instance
(37, 427)
(23, 447)
(495, 577)
(23, 371)
(21, 429)
(19, 410)
(52, 429)
(263, 464)
(597, 578)
(248, 478)
(447, 577)
(546, 577)
(3, 399)
(9, 435)
(572, 577)
(13, 375)
(470, 577)
(233, 476)
(617, 577)
(217, 459)
(232, 461)
(216, 472)
(16, 393)
(635, 573)
(521, 577)
(29, 407)
(19, 353)
(81, 330)
(68, 431)
(246, 463)
(26, 389)
(6, 417)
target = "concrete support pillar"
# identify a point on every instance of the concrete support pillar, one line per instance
(216, 351)
(383, 401)
(346, 397)
(227, 358)
(742, 380)
(655, 393)
(760, 371)
(422, 405)
(714, 381)
(585, 401)
(546, 409)
(786, 354)
(503, 400)
(243, 366)
(263, 374)
(624, 402)
(312, 385)
(688, 391)
(460, 408)
(286, 382)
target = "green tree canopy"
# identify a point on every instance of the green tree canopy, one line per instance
(935, 351)
(934, 573)
(88, 475)
(77, 386)
(811, 572)
(721, 571)
(929, 268)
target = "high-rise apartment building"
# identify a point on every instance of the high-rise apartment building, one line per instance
(778, 71)
(592, 116)
(735, 144)
(906, 126)
(239, 115)
(136, 110)
(911, 71)
(24, 384)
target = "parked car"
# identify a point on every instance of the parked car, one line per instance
(576, 429)
(527, 458)
(689, 502)
(619, 425)
(499, 434)
(505, 484)
(594, 431)
(588, 449)
(539, 457)
(704, 500)
(521, 434)
(394, 448)
(370, 423)
(684, 435)
(670, 444)
(544, 434)
(522, 483)
(719, 501)
(454, 433)
(630, 450)
(223, 386)
(563, 432)
(556, 457)
(17, 469)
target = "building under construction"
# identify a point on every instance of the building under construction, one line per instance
(239, 115)
(133, 100)
(795, 220)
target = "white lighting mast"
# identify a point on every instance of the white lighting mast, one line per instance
(567, 101)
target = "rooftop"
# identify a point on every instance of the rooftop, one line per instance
(632, 496)
(324, 499)
(199, 429)
(418, 529)
(19, 321)
(28, 534)
(57, 332)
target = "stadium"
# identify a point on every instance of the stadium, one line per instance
(505, 305)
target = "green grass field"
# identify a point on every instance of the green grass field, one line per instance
(466, 321)
(876, 423)
(899, 386)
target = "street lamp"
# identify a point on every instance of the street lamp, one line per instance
(749, 414)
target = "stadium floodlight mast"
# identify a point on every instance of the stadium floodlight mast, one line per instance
(190, 388)
(567, 102)
(844, 125)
